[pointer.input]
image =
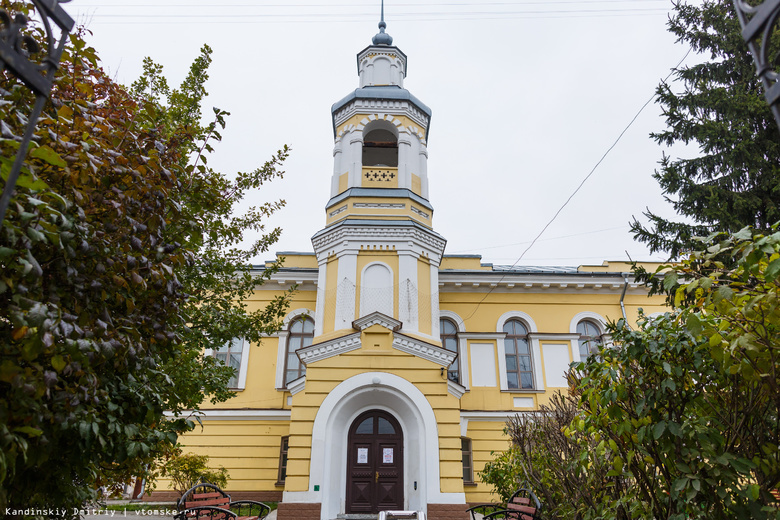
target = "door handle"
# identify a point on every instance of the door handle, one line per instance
(376, 478)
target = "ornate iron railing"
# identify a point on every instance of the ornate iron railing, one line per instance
(758, 23)
(18, 53)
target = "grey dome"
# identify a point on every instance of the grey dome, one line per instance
(382, 38)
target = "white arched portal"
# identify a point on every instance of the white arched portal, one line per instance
(397, 396)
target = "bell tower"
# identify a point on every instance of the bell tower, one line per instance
(378, 251)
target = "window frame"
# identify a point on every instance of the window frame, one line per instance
(515, 338)
(240, 373)
(454, 337)
(284, 449)
(467, 453)
(597, 338)
(294, 335)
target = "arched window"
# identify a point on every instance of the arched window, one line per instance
(301, 335)
(380, 148)
(519, 368)
(590, 338)
(449, 340)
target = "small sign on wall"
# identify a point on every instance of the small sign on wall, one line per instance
(362, 456)
(387, 455)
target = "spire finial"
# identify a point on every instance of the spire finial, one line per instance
(382, 38)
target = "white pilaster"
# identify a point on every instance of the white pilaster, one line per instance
(408, 300)
(322, 277)
(346, 291)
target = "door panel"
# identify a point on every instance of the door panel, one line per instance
(374, 464)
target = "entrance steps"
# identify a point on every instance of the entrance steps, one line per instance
(387, 515)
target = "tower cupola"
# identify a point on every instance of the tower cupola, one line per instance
(378, 252)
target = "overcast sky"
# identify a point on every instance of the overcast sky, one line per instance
(527, 96)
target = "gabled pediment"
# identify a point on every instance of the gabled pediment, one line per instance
(375, 320)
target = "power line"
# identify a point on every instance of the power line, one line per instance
(546, 239)
(577, 189)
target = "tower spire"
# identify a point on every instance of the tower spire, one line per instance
(382, 38)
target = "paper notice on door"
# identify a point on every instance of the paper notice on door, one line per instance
(387, 455)
(362, 457)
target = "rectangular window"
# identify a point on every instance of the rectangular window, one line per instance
(230, 354)
(283, 460)
(468, 461)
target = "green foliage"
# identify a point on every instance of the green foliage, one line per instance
(680, 418)
(503, 473)
(187, 469)
(119, 263)
(691, 399)
(721, 111)
(569, 469)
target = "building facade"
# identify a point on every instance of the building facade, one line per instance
(397, 367)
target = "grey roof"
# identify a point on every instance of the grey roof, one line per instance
(380, 192)
(391, 92)
(536, 269)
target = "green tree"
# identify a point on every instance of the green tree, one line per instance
(734, 179)
(690, 401)
(109, 274)
(569, 468)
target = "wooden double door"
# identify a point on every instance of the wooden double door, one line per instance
(375, 464)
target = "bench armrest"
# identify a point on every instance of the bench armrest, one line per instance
(212, 512)
(480, 508)
(239, 505)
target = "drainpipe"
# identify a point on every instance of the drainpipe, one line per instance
(622, 304)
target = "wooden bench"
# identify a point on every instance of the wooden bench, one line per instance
(523, 505)
(206, 501)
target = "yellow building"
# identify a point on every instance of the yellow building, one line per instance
(398, 365)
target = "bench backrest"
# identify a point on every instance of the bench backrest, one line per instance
(524, 505)
(214, 498)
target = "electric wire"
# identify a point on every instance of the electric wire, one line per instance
(579, 187)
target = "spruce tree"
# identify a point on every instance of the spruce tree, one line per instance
(718, 106)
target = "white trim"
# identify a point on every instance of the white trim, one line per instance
(376, 318)
(296, 385)
(587, 315)
(536, 351)
(455, 389)
(522, 316)
(426, 351)
(384, 391)
(365, 310)
(408, 304)
(236, 415)
(281, 347)
(319, 306)
(345, 291)
(242, 369)
(584, 315)
(462, 345)
(328, 349)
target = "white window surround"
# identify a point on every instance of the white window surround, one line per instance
(536, 353)
(365, 307)
(590, 316)
(281, 351)
(462, 345)
(242, 369)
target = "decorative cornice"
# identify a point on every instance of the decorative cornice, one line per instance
(553, 336)
(378, 231)
(376, 318)
(423, 350)
(482, 335)
(329, 348)
(236, 415)
(455, 389)
(296, 385)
